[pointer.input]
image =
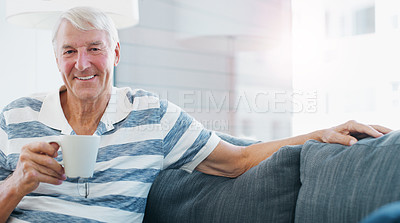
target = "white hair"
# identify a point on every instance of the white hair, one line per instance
(87, 18)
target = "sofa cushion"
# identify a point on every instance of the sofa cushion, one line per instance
(345, 184)
(265, 193)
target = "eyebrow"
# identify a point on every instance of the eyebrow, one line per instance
(95, 43)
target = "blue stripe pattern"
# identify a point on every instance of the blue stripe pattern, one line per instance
(39, 216)
(3, 122)
(12, 161)
(32, 129)
(3, 159)
(132, 204)
(140, 93)
(163, 107)
(32, 103)
(111, 175)
(148, 147)
(173, 136)
(101, 129)
(137, 118)
(192, 151)
(4, 173)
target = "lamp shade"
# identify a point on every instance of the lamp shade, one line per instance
(252, 24)
(43, 14)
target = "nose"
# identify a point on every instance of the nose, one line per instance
(82, 61)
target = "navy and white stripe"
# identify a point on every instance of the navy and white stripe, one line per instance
(140, 136)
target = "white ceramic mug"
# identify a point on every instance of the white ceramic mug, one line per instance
(79, 154)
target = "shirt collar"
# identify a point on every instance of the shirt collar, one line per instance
(118, 108)
(52, 115)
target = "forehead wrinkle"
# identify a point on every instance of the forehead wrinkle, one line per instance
(66, 46)
(96, 43)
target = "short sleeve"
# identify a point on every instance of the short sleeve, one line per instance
(186, 143)
(4, 168)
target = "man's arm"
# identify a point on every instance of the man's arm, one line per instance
(9, 199)
(231, 161)
(36, 164)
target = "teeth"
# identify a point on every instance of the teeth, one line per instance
(86, 78)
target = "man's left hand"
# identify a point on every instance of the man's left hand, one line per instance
(350, 132)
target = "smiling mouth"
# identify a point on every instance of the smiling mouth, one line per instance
(86, 78)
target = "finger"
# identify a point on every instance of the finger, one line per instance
(44, 161)
(37, 170)
(56, 147)
(42, 147)
(31, 172)
(45, 171)
(355, 127)
(50, 179)
(381, 129)
(343, 139)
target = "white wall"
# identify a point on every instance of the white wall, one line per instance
(26, 61)
(182, 50)
(355, 76)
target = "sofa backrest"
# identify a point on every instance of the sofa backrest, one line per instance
(345, 184)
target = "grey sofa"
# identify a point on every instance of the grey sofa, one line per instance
(315, 182)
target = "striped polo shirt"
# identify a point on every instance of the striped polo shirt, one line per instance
(140, 136)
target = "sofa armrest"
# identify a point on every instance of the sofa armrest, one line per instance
(265, 193)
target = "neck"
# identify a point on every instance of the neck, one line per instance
(84, 115)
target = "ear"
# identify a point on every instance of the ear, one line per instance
(117, 54)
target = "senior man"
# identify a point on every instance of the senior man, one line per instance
(140, 135)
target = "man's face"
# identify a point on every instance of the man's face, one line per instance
(86, 61)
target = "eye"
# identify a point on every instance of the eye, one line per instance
(94, 49)
(68, 52)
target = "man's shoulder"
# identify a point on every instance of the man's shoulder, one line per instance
(34, 101)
